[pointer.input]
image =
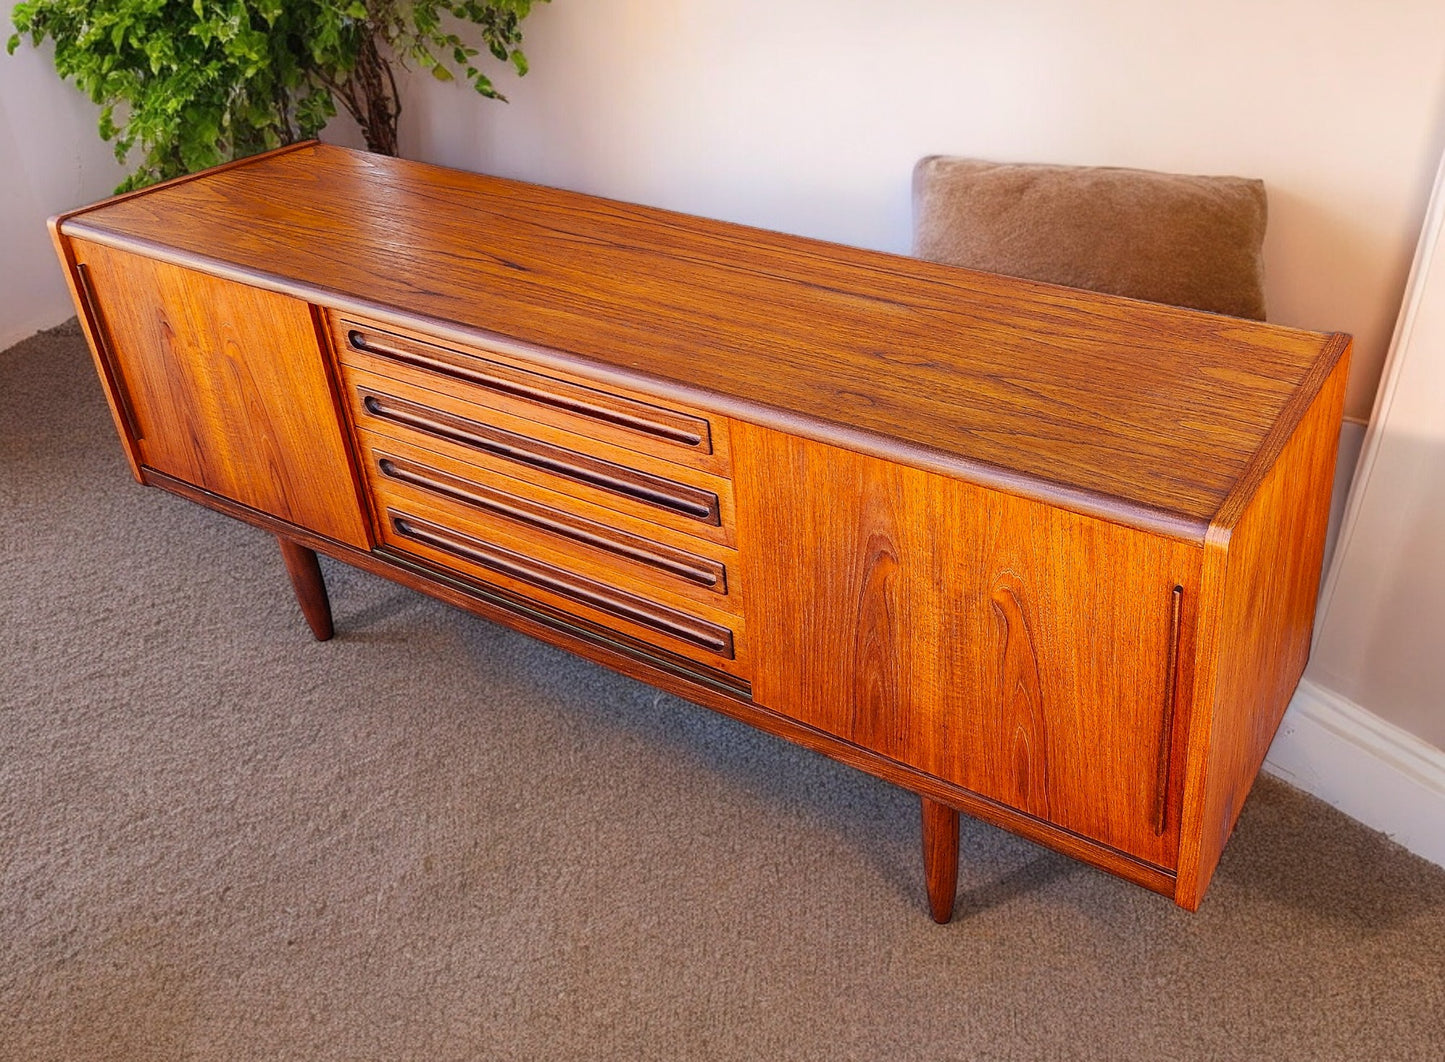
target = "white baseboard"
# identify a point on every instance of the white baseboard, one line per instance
(1370, 769)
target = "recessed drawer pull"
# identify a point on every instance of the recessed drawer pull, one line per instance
(701, 633)
(1166, 733)
(581, 468)
(533, 387)
(703, 571)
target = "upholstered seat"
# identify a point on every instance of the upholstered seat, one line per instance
(1171, 238)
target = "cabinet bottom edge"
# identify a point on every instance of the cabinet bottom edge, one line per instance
(720, 692)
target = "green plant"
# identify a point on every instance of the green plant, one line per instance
(198, 82)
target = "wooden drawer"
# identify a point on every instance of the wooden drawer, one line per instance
(491, 442)
(555, 528)
(712, 637)
(498, 381)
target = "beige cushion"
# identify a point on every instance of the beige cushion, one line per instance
(1187, 241)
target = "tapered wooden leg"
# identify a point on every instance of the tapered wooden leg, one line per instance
(940, 857)
(310, 587)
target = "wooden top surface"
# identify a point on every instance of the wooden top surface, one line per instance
(1139, 413)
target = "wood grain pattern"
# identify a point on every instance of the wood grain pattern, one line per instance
(703, 470)
(1009, 383)
(940, 858)
(383, 411)
(372, 447)
(492, 379)
(1019, 651)
(697, 631)
(487, 505)
(151, 189)
(676, 577)
(1259, 588)
(491, 443)
(603, 648)
(1044, 556)
(117, 395)
(310, 586)
(528, 570)
(110, 372)
(228, 389)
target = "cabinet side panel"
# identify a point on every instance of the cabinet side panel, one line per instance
(114, 398)
(227, 387)
(1260, 587)
(1006, 646)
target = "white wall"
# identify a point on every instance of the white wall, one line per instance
(807, 115)
(51, 159)
(1366, 730)
(1380, 637)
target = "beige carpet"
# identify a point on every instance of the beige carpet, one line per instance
(434, 839)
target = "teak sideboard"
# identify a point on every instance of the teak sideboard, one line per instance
(1042, 556)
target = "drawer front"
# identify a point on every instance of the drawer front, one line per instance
(494, 380)
(552, 527)
(710, 637)
(493, 443)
